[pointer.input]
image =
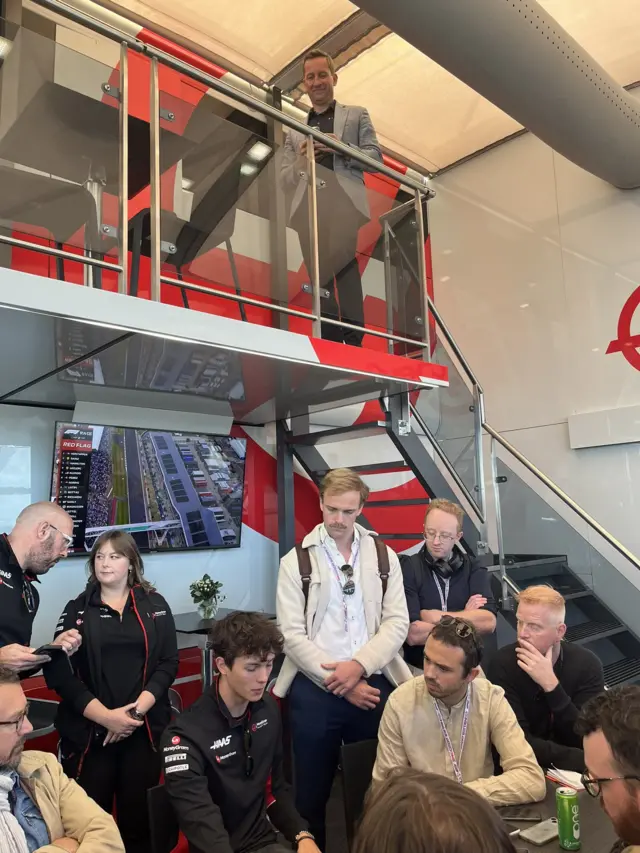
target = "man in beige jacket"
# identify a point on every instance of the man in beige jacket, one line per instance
(40, 808)
(610, 727)
(448, 720)
(343, 630)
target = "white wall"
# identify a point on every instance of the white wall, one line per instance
(26, 454)
(533, 261)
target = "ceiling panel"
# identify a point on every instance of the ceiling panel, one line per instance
(258, 36)
(421, 111)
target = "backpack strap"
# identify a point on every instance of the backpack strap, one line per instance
(304, 566)
(383, 563)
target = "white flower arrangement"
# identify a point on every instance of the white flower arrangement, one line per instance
(206, 591)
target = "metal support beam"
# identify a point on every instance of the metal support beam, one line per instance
(314, 260)
(498, 515)
(277, 214)
(286, 508)
(154, 137)
(422, 276)
(123, 225)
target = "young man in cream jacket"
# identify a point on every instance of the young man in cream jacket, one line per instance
(343, 625)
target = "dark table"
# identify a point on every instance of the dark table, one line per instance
(193, 623)
(597, 833)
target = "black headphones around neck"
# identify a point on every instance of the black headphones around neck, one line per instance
(445, 568)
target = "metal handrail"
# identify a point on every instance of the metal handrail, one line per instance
(564, 497)
(231, 92)
(415, 414)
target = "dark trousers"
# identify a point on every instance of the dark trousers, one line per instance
(122, 773)
(320, 724)
(338, 226)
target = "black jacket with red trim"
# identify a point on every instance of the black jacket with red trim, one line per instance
(79, 684)
(16, 618)
(225, 778)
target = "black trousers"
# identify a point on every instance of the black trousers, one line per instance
(121, 773)
(320, 724)
(338, 225)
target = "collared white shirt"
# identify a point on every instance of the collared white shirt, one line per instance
(332, 638)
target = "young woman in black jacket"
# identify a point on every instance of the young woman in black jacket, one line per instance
(115, 689)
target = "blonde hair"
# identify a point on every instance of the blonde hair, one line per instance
(446, 506)
(545, 595)
(341, 480)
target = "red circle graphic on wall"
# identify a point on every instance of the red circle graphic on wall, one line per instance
(626, 343)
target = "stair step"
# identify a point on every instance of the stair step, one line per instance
(572, 596)
(399, 502)
(380, 468)
(621, 671)
(400, 535)
(325, 436)
(588, 631)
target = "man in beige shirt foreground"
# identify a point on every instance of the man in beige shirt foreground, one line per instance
(448, 721)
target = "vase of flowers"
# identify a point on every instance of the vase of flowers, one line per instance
(206, 594)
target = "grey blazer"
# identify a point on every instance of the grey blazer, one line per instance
(352, 125)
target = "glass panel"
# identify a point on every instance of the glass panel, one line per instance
(448, 413)
(368, 257)
(59, 156)
(223, 213)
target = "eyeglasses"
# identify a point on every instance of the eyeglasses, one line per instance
(18, 721)
(349, 586)
(248, 758)
(593, 787)
(435, 534)
(67, 538)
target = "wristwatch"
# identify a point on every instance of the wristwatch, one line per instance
(302, 835)
(136, 715)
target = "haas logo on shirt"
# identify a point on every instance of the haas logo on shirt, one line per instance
(4, 574)
(220, 742)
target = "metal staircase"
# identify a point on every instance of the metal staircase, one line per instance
(530, 530)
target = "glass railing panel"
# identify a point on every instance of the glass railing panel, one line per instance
(449, 415)
(369, 257)
(59, 157)
(223, 220)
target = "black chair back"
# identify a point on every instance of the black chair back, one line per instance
(163, 824)
(357, 768)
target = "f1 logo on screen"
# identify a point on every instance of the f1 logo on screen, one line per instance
(626, 343)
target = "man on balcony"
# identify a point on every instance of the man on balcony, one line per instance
(342, 199)
(547, 680)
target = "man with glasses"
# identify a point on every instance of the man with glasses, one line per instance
(448, 721)
(223, 756)
(610, 727)
(342, 610)
(40, 807)
(547, 680)
(42, 535)
(441, 579)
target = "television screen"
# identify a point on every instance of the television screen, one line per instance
(169, 490)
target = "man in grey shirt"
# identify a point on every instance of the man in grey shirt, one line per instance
(342, 198)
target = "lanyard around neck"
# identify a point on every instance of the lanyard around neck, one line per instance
(455, 762)
(444, 596)
(339, 577)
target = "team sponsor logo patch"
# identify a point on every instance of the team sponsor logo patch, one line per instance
(183, 747)
(221, 758)
(179, 756)
(176, 768)
(4, 574)
(220, 742)
(175, 740)
(259, 725)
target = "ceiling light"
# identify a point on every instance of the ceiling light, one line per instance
(596, 349)
(248, 169)
(525, 305)
(445, 278)
(447, 251)
(5, 47)
(259, 151)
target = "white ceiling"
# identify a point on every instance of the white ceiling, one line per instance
(421, 111)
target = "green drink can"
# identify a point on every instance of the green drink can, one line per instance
(568, 818)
